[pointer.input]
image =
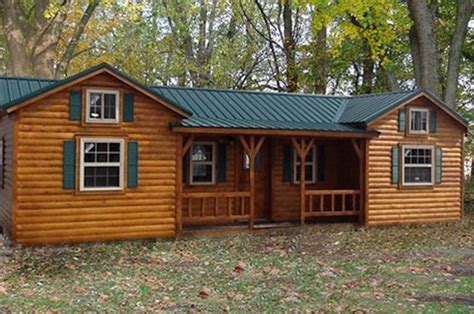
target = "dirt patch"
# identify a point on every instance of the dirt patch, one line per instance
(464, 300)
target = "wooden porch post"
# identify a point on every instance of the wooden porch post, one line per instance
(252, 149)
(359, 148)
(302, 150)
(180, 153)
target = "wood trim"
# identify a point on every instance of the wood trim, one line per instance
(187, 145)
(366, 182)
(462, 176)
(90, 75)
(357, 149)
(179, 184)
(287, 133)
(435, 102)
(14, 166)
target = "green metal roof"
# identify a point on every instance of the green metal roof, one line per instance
(215, 108)
(26, 91)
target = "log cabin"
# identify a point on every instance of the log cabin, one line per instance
(98, 156)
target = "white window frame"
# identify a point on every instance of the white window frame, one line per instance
(103, 91)
(213, 163)
(246, 161)
(83, 164)
(427, 120)
(432, 166)
(296, 164)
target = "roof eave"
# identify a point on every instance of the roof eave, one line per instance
(274, 132)
(82, 76)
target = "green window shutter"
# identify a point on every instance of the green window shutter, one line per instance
(402, 120)
(69, 164)
(128, 105)
(395, 164)
(257, 162)
(132, 164)
(287, 151)
(439, 165)
(75, 105)
(433, 121)
(222, 163)
(321, 162)
(185, 168)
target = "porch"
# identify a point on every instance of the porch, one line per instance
(267, 179)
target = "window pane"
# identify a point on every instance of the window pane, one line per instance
(418, 174)
(95, 105)
(101, 177)
(414, 156)
(308, 173)
(202, 152)
(419, 120)
(246, 161)
(109, 106)
(202, 173)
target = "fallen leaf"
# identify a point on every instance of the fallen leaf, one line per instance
(240, 267)
(204, 293)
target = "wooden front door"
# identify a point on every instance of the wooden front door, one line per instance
(262, 181)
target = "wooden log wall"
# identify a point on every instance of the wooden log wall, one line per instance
(341, 173)
(390, 204)
(47, 213)
(6, 194)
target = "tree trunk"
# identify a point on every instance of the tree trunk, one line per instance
(16, 42)
(428, 57)
(289, 47)
(66, 58)
(321, 62)
(464, 12)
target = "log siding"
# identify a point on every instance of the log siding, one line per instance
(397, 204)
(47, 213)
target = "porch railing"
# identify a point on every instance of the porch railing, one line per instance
(332, 203)
(216, 207)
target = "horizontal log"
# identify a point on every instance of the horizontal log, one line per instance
(73, 232)
(330, 192)
(330, 213)
(96, 237)
(195, 220)
(216, 194)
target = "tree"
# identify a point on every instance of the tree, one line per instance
(34, 30)
(425, 50)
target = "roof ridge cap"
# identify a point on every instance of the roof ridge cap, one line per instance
(247, 91)
(385, 93)
(341, 110)
(7, 77)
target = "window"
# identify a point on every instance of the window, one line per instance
(417, 165)
(203, 163)
(419, 120)
(101, 164)
(2, 163)
(102, 106)
(310, 166)
(246, 161)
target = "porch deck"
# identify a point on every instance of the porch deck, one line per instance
(267, 186)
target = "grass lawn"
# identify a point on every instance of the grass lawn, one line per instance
(332, 267)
